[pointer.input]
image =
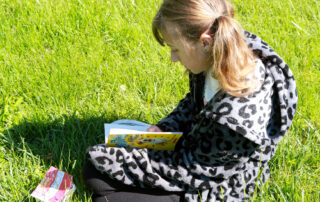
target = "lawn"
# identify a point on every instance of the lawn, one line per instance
(67, 67)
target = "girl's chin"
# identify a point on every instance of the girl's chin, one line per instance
(191, 70)
(195, 71)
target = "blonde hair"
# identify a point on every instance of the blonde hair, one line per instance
(233, 61)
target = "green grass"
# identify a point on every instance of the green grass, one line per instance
(67, 67)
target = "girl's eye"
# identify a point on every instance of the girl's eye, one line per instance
(174, 50)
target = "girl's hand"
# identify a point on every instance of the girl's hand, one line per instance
(154, 129)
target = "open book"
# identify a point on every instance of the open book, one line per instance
(133, 134)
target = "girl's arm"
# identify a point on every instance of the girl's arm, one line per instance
(180, 118)
(212, 143)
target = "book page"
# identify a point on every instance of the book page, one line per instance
(128, 124)
(133, 134)
(150, 140)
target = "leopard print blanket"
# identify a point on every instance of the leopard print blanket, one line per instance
(226, 146)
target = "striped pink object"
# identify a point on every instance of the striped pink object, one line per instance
(56, 186)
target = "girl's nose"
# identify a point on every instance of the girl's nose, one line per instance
(174, 57)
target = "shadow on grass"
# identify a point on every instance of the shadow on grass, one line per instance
(61, 142)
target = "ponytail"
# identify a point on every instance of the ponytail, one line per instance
(233, 61)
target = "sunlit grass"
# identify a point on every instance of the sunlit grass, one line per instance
(66, 67)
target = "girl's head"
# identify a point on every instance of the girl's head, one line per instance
(203, 34)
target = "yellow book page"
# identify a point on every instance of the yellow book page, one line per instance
(162, 141)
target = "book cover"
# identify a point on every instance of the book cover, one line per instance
(133, 134)
(55, 186)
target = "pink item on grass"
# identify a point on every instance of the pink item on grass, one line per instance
(56, 186)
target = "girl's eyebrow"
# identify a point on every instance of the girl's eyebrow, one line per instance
(169, 44)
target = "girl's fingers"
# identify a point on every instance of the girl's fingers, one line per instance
(154, 129)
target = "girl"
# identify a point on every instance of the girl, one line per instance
(242, 101)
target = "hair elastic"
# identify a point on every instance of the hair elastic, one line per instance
(214, 27)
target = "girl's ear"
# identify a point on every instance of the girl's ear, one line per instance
(206, 40)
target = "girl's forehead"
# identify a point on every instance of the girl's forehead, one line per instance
(171, 34)
(168, 38)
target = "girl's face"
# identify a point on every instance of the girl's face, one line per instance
(193, 55)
